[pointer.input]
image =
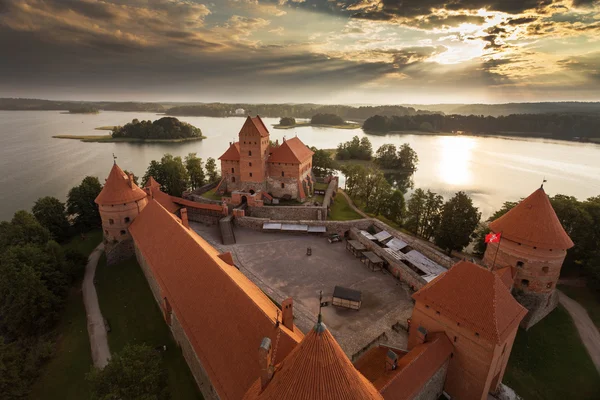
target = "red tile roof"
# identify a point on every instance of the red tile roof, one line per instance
(477, 298)
(258, 123)
(507, 276)
(116, 189)
(413, 369)
(291, 151)
(223, 314)
(232, 153)
(533, 222)
(195, 204)
(317, 369)
(153, 189)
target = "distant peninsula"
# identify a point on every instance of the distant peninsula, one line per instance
(318, 120)
(84, 110)
(166, 129)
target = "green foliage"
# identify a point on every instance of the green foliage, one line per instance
(341, 210)
(136, 372)
(80, 204)
(84, 110)
(287, 121)
(193, 165)
(322, 164)
(50, 212)
(170, 172)
(211, 170)
(164, 128)
(424, 213)
(483, 228)
(356, 149)
(327, 119)
(404, 159)
(458, 222)
(395, 209)
(136, 179)
(24, 228)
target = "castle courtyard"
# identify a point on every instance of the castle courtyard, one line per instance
(278, 263)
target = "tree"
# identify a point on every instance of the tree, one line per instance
(211, 170)
(193, 165)
(407, 158)
(483, 228)
(365, 149)
(136, 372)
(287, 121)
(322, 164)
(396, 209)
(327, 119)
(386, 156)
(135, 178)
(50, 212)
(458, 222)
(80, 203)
(415, 211)
(370, 185)
(170, 173)
(163, 128)
(24, 228)
(354, 174)
(431, 214)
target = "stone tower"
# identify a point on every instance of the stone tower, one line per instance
(254, 152)
(119, 202)
(535, 244)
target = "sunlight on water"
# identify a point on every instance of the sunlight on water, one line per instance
(454, 164)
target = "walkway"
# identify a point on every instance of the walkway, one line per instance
(95, 321)
(590, 336)
(351, 204)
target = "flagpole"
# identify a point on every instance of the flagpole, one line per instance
(497, 248)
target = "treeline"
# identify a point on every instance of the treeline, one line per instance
(581, 221)
(496, 110)
(290, 110)
(567, 126)
(49, 105)
(164, 128)
(37, 274)
(327, 119)
(388, 157)
(176, 175)
(84, 110)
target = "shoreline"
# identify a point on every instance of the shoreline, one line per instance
(302, 124)
(110, 139)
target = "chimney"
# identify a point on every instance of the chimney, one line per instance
(264, 359)
(276, 142)
(184, 217)
(287, 318)
(130, 180)
(421, 335)
(391, 360)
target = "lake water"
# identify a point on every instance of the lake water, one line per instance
(491, 170)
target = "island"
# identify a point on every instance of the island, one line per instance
(166, 129)
(318, 120)
(84, 110)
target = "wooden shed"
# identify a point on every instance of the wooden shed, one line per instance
(372, 261)
(355, 247)
(347, 298)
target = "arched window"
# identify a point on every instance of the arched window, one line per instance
(249, 152)
(250, 174)
(233, 170)
(524, 282)
(520, 264)
(249, 164)
(111, 221)
(282, 173)
(127, 219)
(283, 185)
(233, 179)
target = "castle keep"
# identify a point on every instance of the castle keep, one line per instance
(254, 168)
(535, 244)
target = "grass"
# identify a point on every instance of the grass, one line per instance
(110, 139)
(341, 210)
(63, 377)
(301, 124)
(321, 186)
(212, 194)
(134, 317)
(587, 298)
(550, 362)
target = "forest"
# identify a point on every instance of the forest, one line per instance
(561, 126)
(164, 128)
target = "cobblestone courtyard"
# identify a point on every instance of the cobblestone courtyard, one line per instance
(278, 264)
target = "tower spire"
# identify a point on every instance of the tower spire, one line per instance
(320, 326)
(543, 181)
(114, 159)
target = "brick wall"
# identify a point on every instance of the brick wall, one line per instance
(198, 371)
(117, 252)
(290, 186)
(287, 213)
(433, 388)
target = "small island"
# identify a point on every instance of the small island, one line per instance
(318, 120)
(166, 129)
(84, 110)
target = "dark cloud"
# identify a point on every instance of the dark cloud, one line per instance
(443, 21)
(588, 65)
(585, 3)
(521, 21)
(98, 10)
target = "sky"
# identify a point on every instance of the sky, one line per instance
(321, 51)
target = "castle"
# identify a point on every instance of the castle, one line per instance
(240, 345)
(254, 169)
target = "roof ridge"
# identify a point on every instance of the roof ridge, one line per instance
(494, 302)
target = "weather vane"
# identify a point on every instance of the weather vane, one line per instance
(320, 305)
(114, 158)
(543, 181)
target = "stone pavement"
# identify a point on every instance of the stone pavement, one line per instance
(95, 321)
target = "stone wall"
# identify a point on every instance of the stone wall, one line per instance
(202, 189)
(290, 186)
(538, 304)
(117, 252)
(330, 192)
(200, 199)
(339, 227)
(434, 387)
(198, 371)
(199, 215)
(288, 213)
(397, 268)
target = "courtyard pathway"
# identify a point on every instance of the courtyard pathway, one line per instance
(95, 321)
(590, 336)
(351, 203)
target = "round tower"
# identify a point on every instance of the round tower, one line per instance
(534, 244)
(119, 202)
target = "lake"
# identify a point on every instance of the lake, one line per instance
(491, 170)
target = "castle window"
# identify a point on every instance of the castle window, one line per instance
(232, 170)
(283, 185)
(426, 306)
(127, 219)
(282, 173)
(250, 174)
(123, 232)
(524, 282)
(106, 231)
(477, 334)
(455, 339)
(520, 264)
(249, 164)
(249, 152)
(233, 179)
(534, 247)
(545, 269)
(111, 221)
(549, 285)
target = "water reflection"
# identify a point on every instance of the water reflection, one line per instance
(455, 158)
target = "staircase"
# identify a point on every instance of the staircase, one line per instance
(226, 226)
